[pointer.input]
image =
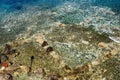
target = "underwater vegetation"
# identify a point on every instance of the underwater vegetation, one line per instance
(59, 40)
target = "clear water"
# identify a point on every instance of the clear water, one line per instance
(17, 15)
(12, 5)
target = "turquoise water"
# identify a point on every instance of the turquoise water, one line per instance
(19, 4)
(18, 15)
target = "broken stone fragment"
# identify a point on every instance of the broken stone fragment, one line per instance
(44, 44)
(85, 42)
(103, 45)
(2, 68)
(62, 25)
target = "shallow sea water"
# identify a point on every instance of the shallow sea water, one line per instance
(74, 28)
(16, 15)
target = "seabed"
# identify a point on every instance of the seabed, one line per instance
(65, 43)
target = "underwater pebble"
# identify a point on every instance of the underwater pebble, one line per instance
(103, 45)
(62, 25)
(85, 42)
(95, 62)
(2, 68)
(66, 78)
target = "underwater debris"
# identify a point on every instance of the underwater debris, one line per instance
(115, 39)
(31, 62)
(5, 64)
(44, 44)
(6, 76)
(49, 49)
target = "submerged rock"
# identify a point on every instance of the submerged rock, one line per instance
(102, 44)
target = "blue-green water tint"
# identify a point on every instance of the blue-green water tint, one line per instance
(17, 15)
(114, 4)
(17, 4)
